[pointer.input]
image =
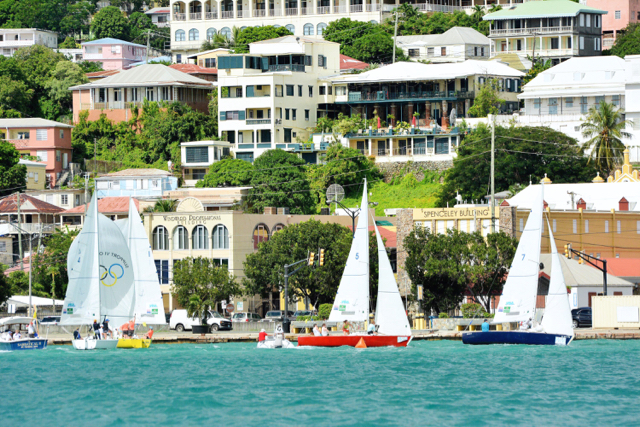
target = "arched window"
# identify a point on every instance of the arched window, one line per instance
(243, 28)
(160, 239)
(374, 22)
(308, 30)
(180, 240)
(260, 234)
(211, 33)
(277, 26)
(200, 237)
(226, 32)
(321, 28)
(180, 36)
(277, 228)
(194, 34)
(291, 28)
(220, 237)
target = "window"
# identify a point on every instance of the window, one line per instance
(521, 224)
(555, 43)
(200, 237)
(341, 90)
(77, 199)
(584, 106)
(308, 60)
(306, 115)
(286, 114)
(329, 89)
(638, 227)
(588, 20)
(615, 100)
(569, 42)
(43, 155)
(310, 91)
(221, 262)
(210, 63)
(58, 155)
(64, 199)
(599, 100)
(198, 173)
(586, 225)
(179, 58)
(293, 114)
(575, 226)
(617, 14)
(194, 34)
(211, 33)
(291, 28)
(413, 53)
(307, 30)
(150, 92)
(220, 237)
(260, 234)
(162, 268)
(553, 105)
(569, 102)
(322, 61)
(322, 90)
(160, 239)
(443, 51)
(321, 27)
(180, 36)
(41, 134)
(554, 226)
(287, 135)
(536, 103)
(300, 91)
(606, 226)
(582, 20)
(290, 90)
(35, 179)
(197, 154)
(581, 42)
(430, 51)
(619, 225)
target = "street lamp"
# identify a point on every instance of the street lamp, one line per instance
(352, 212)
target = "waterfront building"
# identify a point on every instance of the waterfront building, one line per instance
(160, 16)
(64, 198)
(556, 30)
(146, 183)
(113, 207)
(112, 53)
(197, 156)
(47, 140)
(269, 97)
(36, 174)
(116, 94)
(454, 45)
(12, 39)
(620, 13)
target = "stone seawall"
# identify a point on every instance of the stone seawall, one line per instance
(392, 169)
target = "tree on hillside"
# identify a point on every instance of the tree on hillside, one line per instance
(222, 41)
(487, 100)
(68, 43)
(363, 41)
(110, 22)
(227, 172)
(264, 269)
(522, 154)
(605, 127)
(256, 34)
(280, 180)
(627, 41)
(5, 286)
(65, 75)
(538, 65)
(12, 174)
(412, 22)
(56, 248)
(90, 66)
(15, 95)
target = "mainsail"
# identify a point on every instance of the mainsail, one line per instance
(148, 305)
(352, 300)
(518, 299)
(557, 314)
(391, 316)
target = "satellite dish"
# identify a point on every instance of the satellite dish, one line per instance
(335, 193)
(452, 117)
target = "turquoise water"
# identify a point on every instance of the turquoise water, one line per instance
(437, 382)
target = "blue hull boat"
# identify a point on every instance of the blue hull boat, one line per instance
(25, 344)
(514, 337)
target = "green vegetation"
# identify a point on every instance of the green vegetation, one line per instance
(473, 310)
(604, 126)
(66, 17)
(412, 22)
(522, 154)
(47, 266)
(627, 41)
(227, 172)
(487, 101)
(69, 43)
(12, 174)
(256, 34)
(539, 65)
(6, 290)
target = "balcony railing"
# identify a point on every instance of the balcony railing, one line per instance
(258, 121)
(195, 16)
(179, 16)
(211, 15)
(275, 12)
(306, 11)
(287, 67)
(227, 14)
(373, 7)
(383, 95)
(356, 8)
(324, 10)
(534, 31)
(339, 9)
(259, 13)
(291, 11)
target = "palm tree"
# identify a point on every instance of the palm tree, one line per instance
(478, 13)
(165, 205)
(495, 7)
(605, 125)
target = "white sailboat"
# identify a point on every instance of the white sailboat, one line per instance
(100, 278)
(352, 300)
(519, 295)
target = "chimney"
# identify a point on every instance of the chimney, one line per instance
(269, 211)
(624, 204)
(581, 204)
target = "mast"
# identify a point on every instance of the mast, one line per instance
(97, 249)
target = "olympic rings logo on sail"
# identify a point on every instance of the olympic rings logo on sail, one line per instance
(112, 273)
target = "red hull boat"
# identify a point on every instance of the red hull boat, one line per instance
(352, 341)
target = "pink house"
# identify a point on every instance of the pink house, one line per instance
(48, 140)
(620, 14)
(113, 53)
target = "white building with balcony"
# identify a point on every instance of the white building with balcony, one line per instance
(197, 156)
(146, 183)
(12, 39)
(454, 45)
(160, 16)
(553, 29)
(269, 98)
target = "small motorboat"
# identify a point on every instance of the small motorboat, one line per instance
(7, 343)
(277, 340)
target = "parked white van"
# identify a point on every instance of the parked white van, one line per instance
(181, 322)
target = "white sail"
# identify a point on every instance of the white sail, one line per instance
(352, 300)
(148, 305)
(518, 299)
(82, 299)
(391, 316)
(557, 314)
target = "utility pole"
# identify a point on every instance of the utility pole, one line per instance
(493, 175)
(20, 235)
(147, 58)
(30, 269)
(395, 35)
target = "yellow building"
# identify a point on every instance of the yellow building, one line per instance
(208, 58)
(36, 174)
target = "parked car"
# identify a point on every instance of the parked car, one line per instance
(246, 317)
(50, 320)
(277, 316)
(581, 317)
(181, 322)
(301, 313)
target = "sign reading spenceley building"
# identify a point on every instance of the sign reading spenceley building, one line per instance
(454, 213)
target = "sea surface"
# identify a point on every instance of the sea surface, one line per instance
(594, 382)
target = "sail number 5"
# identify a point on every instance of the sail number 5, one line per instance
(357, 255)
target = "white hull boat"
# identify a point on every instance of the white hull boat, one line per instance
(88, 344)
(275, 343)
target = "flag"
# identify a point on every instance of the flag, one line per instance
(35, 312)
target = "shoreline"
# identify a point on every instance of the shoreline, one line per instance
(423, 335)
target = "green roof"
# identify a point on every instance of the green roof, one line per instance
(542, 9)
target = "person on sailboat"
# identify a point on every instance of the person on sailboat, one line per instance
(316, 331)
(105, 327)
(279, 336)
(76, 334)
(17, 335)
(485, 326)
(526, 324)
(96, 330)
(325, 331)
(149, 333)
(262, 335)
(345, 327)
(371, 330)
(31, 330)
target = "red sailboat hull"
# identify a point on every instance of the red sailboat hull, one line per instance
(352, 340)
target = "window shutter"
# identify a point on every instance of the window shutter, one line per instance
(241, 115)
(223, 115)
(201, 62)
(250, 91)
(265, 64)
(41, 134)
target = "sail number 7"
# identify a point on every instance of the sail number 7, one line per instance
(523, 257)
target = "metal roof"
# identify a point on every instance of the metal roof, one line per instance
(34, 122)
(542, 9)
(453, 36)
(109, 41)
(147, 75)
(147, 172)
(576, 274)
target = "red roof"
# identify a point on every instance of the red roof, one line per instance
(28, 204)
(107, 205)
(624, 267)
(193, 69)
(101, 74)
(348, 63)
(385, 234)
(26, 266)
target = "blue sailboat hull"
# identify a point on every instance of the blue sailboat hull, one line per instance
(514, 337)
(28, 344)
